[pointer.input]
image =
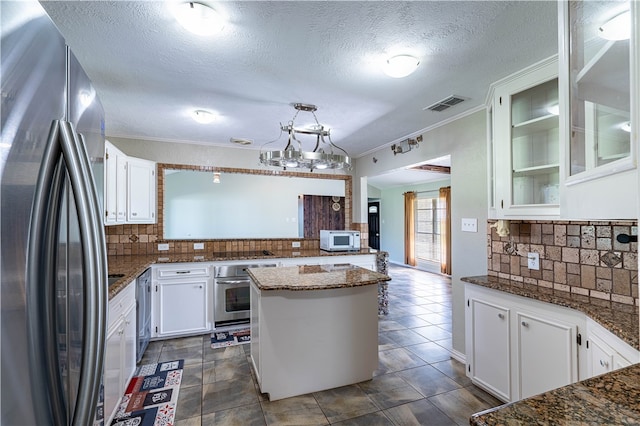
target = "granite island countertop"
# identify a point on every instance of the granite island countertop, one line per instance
(314, 277)
(129, 267)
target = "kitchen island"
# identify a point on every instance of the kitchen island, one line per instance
(313, 327)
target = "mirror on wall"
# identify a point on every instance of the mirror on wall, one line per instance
(237, 206)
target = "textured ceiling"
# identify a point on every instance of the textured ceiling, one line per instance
(150, 73)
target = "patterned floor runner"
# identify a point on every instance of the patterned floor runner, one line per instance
(151, 396)
(231, 337)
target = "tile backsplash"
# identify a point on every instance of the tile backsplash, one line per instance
(580, 257)
(127, 240)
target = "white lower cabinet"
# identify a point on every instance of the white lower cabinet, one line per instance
(517, 347)
(120, 354)
(547, 353)
(181, 300)
(490, 352)
(607, 352)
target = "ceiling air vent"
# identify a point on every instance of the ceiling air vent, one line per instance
(445, 103)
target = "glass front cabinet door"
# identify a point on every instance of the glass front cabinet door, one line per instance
(596, 45)
(525, 144)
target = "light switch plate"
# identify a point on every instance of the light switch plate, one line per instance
(198, 246)
(469, 224)
(533, 261)
(163, 247)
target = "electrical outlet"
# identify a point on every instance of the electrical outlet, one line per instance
(198, 246)
(533, 261)
(295, 244)
(163, 247)
(469, 224)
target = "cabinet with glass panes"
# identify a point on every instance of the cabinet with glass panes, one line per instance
(596, 82)
(525, 144)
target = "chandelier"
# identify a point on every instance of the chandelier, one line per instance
(294, 157)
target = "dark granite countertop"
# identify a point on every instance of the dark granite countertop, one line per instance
(609, 399)
(129, 267)
(314, 277)
(620, 319)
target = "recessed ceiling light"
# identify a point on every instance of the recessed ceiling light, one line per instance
(202, 116)
(617, 28)
(400, 66)
(198, 18)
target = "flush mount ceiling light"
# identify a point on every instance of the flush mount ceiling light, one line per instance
(400, 66)
(203, 117)
(617, 28)
(293, 156)
(198, 18)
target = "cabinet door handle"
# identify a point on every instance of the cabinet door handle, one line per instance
(183, 272)
(525, 324)
(501, 316)
(604, 363)
(199, 286)
(134, 214)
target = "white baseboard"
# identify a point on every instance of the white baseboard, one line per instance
(459, 356)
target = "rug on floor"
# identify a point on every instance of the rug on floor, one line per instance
(231, 337)
(151, 396)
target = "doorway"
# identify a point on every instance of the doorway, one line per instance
(374, 225)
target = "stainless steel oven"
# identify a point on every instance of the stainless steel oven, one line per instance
(231, 300)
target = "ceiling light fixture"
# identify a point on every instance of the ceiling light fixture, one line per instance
(203, 117)
(400, 66)
(617, 28)
(295, 157)
(216, 177)
(198, 18)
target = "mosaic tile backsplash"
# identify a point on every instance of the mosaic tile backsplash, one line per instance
(579, 257)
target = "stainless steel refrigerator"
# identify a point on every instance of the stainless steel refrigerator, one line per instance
(53, 271)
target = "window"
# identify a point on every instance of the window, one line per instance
(427, 230)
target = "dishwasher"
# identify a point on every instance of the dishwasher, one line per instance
(232, 302)
(143, 313)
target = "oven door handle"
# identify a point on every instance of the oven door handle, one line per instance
(224, 282)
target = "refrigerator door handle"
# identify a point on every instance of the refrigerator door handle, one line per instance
(94, 273)
(41, 289)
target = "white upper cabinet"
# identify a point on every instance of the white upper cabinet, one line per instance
(525, 144)
(598, 96)
(115, 185)
(141, 191)
(129, 188)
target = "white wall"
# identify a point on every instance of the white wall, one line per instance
(465, 140)
(200, 155)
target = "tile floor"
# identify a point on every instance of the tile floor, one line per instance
(417, 382)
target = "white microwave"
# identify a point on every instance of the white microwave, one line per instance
(339, 240)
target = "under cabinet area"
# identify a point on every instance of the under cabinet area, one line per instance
(519, 347)
(182, 299)
(129, 188)
(120, 354)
